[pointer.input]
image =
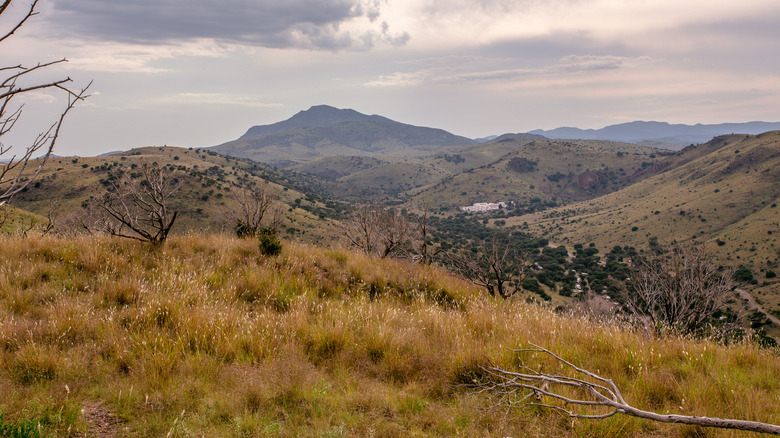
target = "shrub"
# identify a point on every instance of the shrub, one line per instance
(270, 244)
(743, 274)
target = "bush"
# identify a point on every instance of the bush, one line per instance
(270, 244)
(743, 274)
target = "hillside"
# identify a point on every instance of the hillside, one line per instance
(659, 134)
(724, 192)
(534, 172)
(204, 336)
(67, 184)
(324, 131)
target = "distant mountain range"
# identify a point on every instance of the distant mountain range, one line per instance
(324, 131)
(659, 134)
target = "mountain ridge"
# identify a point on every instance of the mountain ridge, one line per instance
(679, 135)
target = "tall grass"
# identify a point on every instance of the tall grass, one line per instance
(207, 336)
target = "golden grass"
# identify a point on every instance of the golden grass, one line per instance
(206, 337)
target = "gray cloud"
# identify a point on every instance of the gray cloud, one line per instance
(312, 24)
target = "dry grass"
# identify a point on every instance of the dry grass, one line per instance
(206, 337)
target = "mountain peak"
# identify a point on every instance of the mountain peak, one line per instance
(317, 116)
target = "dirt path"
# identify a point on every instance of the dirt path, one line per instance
(753, 305)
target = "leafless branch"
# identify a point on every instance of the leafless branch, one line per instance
(492, 266)
(680, 291)
(591, 391)
(376, 229)
(254, 208)
(31, 12)
(15, 175)
(139, 210)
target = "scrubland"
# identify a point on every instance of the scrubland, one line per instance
(205, 336)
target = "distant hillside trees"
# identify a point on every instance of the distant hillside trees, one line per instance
(18, 170)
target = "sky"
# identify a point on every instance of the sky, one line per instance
(197, 73)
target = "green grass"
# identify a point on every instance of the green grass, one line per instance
(207, 336)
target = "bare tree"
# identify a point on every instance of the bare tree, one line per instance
(139, 210)
(361, 228)
(18, 170)
(423, 253)
(492, 265)
(680, 291)
(598, 396)
(254, 210)
(375, 229)
(393, 232)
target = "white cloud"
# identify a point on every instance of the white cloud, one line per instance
(462, 69)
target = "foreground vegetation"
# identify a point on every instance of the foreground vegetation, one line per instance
(205, 336)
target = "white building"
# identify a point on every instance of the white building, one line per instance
(482, 207)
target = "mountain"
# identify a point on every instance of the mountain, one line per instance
(317, 116)
(324, 131)
(659, 134)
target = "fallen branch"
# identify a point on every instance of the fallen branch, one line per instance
(597, 392)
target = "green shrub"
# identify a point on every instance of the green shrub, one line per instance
(270, 244)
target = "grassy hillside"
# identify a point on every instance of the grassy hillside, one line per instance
(208, 180)
(14, 220)
(557, 171)
(725, 193)
(204, 336)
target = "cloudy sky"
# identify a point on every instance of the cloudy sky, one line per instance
(199, 73)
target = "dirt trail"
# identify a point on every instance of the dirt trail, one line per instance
(754, 306)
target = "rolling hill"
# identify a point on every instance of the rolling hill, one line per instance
(66, 185)
(323, 131)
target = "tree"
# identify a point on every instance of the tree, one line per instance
(422, 247)
(18, 170)
(376, 229)
(681, 290)
(492, 265)
(583, 388)
(139, 210)
(253, 208)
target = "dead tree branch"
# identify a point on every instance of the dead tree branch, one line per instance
(680, 291)
(19, 81)
(491, 265)
(375, 229)
(253, 208)
(591, 392)
(139, 210)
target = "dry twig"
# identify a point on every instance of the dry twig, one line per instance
(593, 391)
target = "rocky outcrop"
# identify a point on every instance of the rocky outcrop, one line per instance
(591, 180)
